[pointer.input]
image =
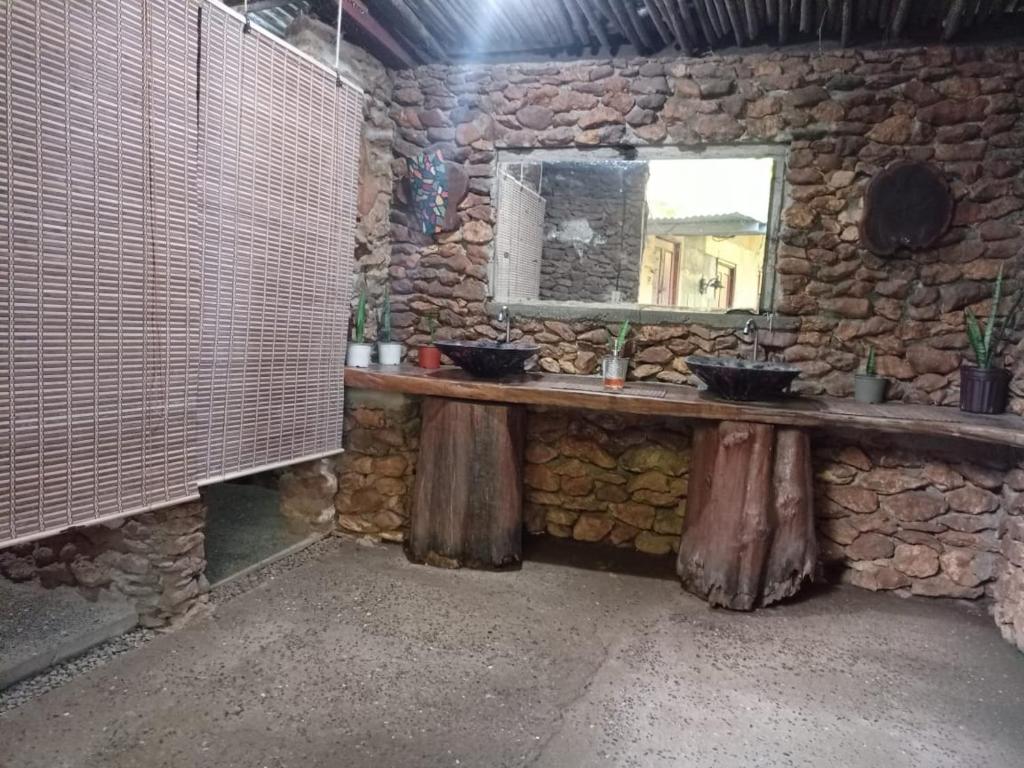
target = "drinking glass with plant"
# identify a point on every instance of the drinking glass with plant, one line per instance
(615, 365)
(985, 386)
(869, 387)
(359, 352)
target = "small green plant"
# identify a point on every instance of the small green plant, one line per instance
(986, 342)
(384, 318)
(432, 327)
(359, 329)
(620, 340)
(871, 364)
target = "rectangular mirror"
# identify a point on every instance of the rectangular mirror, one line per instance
(682, 232)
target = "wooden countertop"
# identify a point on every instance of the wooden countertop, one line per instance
(587, 392)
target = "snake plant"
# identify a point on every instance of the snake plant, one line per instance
(620, 340)
(871, 364)
(985, 341)
(359, 330)
(384, 318)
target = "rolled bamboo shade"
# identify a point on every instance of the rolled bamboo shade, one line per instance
(278, 160)
(176, 258)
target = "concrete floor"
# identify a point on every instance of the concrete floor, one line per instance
(40, 627)
(361, 659)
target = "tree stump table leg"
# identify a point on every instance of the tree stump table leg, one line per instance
(748, 537)
(467, 508)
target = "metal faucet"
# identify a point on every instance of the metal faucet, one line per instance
(750, 329)
(504, 316)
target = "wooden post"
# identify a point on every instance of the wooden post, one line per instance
(748, 538)
(467, 508)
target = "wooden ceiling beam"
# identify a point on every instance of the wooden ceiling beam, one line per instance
(593, 18)
(685, 30)
(357, 14)
(735, 21)
(660, 23)
(753, 22)
(630, 12)
(703, 19)
(416, 27)
(613, 13)
(579, 24)
(954, 18)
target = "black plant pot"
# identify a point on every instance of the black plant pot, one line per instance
(984, 390)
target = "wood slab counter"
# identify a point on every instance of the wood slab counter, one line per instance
(684, 402)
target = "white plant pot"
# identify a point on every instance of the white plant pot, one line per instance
(389, 352)
(359, 355)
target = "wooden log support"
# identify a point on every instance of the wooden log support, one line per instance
(467, 508)
(748, 538)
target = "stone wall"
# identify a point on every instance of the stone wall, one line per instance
(307, 494)
(373, 229)
(603, 477)
(376, 471)
(156, 559)
(594, 225)
(894, 515)
(843, 116)
(1009, 589)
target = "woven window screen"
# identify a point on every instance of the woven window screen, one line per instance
(278, 171)
(172, 295)
(94, 218)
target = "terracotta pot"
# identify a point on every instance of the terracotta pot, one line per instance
(868, 388)
(429, 357)
(984, 390)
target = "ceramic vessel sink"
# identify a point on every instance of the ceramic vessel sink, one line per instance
(736, 379)
(489, 359)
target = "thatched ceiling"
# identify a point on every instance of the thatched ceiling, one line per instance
(444, 30)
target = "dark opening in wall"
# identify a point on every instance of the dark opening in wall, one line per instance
(245, 526)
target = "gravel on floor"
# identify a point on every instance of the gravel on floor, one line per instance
(99, 655)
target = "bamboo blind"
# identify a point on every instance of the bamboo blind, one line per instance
(94, 218)
(279, 156)
(175, 272)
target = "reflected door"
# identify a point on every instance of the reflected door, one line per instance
(726, 291)
(666, 257)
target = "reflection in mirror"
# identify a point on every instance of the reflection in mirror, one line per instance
(688, 233)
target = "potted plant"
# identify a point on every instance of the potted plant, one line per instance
(869, 387)
(388, 352)
(359, 352)
(615, 365)
(985, 386)
(428, 355)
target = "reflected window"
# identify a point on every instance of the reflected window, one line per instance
(688, 233)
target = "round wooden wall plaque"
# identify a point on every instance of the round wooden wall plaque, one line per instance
(908, 205)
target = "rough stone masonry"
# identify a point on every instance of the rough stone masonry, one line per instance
(891, 515)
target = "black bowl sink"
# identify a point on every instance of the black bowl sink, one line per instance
(488, 359)
(736, 379)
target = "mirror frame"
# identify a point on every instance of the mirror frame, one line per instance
(648, 313)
